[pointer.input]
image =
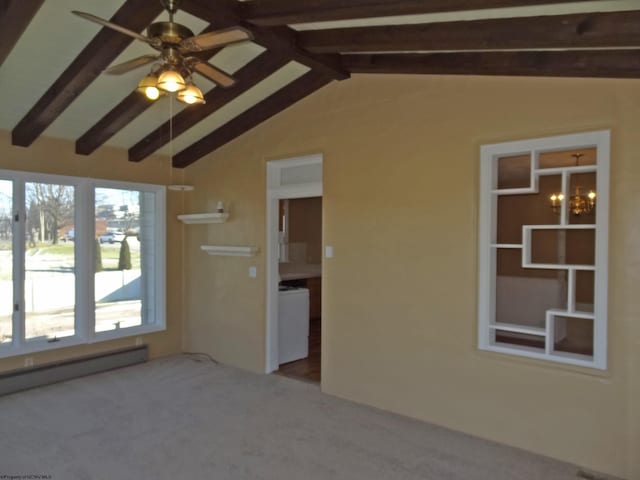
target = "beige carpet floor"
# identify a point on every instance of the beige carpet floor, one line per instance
(187, 418)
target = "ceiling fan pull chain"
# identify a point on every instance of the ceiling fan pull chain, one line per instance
(170, 129)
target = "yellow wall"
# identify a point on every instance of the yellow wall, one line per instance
(401, 169)
(58, 157)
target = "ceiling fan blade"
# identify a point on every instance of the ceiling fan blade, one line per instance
(212, 73)
(132, 64)
(105, 23)
(219, 38)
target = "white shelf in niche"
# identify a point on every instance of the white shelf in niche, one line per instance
(230, 251)
(515, 328)
(573, 314)
(199, 218)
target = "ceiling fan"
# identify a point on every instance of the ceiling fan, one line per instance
(175, 61)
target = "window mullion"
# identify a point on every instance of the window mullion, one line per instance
(19, 236)
(85, 255)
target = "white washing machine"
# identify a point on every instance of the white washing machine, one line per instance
(293, 324)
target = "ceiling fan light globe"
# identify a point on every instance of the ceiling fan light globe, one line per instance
(171, 81)
(152, 93)
(148, 87)
(189, 99)
(191, 95)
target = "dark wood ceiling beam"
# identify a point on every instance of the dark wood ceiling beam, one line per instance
(15, 16)
(584, 30)
(114, 121)
(576, 63)
(247, 77)
(283, 12)
(89, 64)
(272, 105)
(280, 40)
(124, 113)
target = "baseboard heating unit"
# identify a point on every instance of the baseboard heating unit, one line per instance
(46, 374)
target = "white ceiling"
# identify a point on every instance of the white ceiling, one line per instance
(55, 37)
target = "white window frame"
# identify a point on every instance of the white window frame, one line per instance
(487, 247)
(84, 225)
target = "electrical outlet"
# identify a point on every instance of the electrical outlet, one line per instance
(138, 341)
(28, 362)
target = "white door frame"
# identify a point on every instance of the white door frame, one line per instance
(276, 192)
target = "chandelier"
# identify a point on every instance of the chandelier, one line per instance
(582, 201)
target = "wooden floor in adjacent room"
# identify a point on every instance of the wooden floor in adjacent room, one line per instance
(307, 369)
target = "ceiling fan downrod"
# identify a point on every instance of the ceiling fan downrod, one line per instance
(171, 6)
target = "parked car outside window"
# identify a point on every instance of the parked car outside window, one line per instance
(111, 237)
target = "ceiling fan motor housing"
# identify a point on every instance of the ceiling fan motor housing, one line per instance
(176, 44)
(169, 32)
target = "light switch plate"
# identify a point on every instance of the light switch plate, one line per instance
(328, 251)
(253, 272)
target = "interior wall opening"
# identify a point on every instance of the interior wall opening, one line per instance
(300, 287)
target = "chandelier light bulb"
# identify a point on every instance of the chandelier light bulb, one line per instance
(171, 81)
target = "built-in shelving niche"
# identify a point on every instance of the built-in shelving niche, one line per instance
(543, 272)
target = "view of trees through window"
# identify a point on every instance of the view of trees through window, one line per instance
(49, 286)
(118, 273)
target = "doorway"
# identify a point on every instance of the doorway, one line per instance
(294, 267)
(300, 268)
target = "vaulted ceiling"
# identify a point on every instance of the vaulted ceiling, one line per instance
(51, 62)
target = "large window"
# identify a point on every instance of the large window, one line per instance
(81, 260)
(543, 248)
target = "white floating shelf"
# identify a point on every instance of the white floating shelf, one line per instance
(196, 218)
(180, 188)
(230, 251)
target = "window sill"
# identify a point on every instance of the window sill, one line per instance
(126, 332)
(37, 346)
(546, 364)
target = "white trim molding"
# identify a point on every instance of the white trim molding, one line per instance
(299, 177)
